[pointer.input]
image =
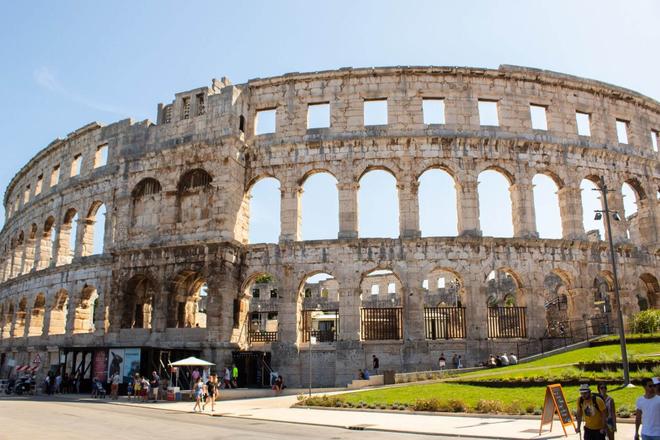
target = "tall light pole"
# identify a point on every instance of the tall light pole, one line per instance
(622, 334)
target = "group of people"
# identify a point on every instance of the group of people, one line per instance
(456, 361)
(598, 412)
(375, 363)
(205, 393)
(501, 360)
(139, 388)
(58, 383)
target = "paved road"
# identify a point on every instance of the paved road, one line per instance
(24, 419)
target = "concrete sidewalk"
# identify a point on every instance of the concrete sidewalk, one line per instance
(278, 409)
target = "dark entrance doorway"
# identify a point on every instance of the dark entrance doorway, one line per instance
(253, 368)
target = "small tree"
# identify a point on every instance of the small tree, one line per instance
(647, 321)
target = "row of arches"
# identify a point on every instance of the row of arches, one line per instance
(56, 243)
(28, 318)
(379, 212)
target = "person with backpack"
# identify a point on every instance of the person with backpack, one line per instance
(611, 410)
(591, 408)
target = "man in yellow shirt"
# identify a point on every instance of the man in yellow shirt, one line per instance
(591, 408)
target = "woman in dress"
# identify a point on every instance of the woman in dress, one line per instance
(198, 391)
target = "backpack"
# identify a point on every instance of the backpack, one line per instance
(594, 399)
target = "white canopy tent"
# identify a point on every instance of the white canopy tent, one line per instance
(190, 362)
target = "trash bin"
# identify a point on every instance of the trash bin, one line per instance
(389, 377)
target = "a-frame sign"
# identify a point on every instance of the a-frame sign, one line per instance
(556, 402)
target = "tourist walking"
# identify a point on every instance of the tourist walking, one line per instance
(145, 389)
(155, 384)
(114, 385)
(227, 378)
(375, 363)
(591, 409)
(648, 411)
(211, 389)
(198, 391)
(611, 410)
(137, 387)
(234, 376)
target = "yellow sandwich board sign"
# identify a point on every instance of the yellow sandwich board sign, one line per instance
(555, 402)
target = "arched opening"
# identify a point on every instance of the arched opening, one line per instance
(444, 314)
(506, 312)
(194, 196)
(648, 292)
(264, 211)
(556, 306)
(83, 321)
(94, 233)
(319, 308)
(188, 301)
(58, 313)
(378, 201)
(146, 200)
(630, 190)
(21, 314)
(67, 237)
(546, 207)
(495, 212)
(591, 202)
(37, 316)
(381, 301)
(8, 319)
(260, 302)
(603, 288)
(320, 207)
(438, 215)
(138, 301)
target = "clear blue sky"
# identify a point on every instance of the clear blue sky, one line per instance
(67, 63)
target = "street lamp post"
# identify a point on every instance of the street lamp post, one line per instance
(312, 341)
(622, 335)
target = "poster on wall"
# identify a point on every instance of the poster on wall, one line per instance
(131, 363)
(98, 365)
(116, 363)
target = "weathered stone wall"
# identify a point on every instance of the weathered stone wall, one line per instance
(177, 200)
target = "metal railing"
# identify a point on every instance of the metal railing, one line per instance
(262, 336)
(444, 322)
(321, 335)
(507, 322)
(377, 324)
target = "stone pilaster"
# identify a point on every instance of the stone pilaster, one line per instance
(43, 252)
(62, 245)
(349, 314)
(467, 201)
(408, 208)
(570, 210)
(28, 255)
(523, 213)
(646, 221)
(86, 237)
(291, 214)
(348, 209)
(615, 203)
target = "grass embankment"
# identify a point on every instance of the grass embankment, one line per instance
(451, 395)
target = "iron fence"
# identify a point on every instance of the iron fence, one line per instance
(444, 322)
(507, 322)
(378, 324)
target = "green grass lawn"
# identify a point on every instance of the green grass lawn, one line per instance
(524, 397)
(511, 399)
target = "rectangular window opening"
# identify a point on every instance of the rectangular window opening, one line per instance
(391, 288)
(201, 108)
(55, 176)
(264, 121)
(76, 165)
(185, 114)
(622, 131)
(583, 123)
(318, 115)
(375, 112)
(655, 137)
(101, 157)
(26, 195)
(488, 113)
(433, 110)
(539, 117)
(38, 186)
(375, 289)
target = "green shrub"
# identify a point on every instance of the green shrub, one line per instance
(426, 405)
(489, 407)
(456, 405)
(647, 321)
(624, 411)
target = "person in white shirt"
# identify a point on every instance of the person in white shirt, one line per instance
(504, 359)
(513, 360)
(648, 412)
